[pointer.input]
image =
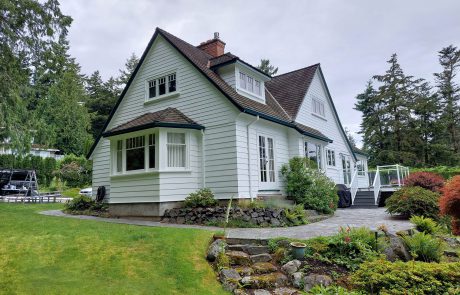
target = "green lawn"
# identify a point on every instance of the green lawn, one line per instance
(55, 255)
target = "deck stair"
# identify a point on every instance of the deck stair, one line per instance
(364, 199)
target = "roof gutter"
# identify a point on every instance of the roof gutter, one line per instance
(153, 125)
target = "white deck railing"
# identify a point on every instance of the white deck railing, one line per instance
(354, 186)
(389, 176)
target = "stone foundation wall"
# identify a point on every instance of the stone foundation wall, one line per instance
(257, 216)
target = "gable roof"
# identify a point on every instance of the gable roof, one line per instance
(273, 110)
(169, 117)
(290, 88)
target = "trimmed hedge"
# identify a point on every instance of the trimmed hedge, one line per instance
(43, 167)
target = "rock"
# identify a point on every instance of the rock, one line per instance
(229, 279)
(450, 253)
(237, 247)
(313, 280)
(291, 267)
(244, 270)
(396, 250)
(261, 292)
(214, 249)
(240, 292)
(452, 242)
(265, 257)
(238, 258)
(275, 222)
(263, 267)
(285, 291)
(296, 279)
(253, 249)
(181, 220)
(283, 243)
(265, 281)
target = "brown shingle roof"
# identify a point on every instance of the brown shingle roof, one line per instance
(310, 132)
(169, 117)
(225, 58)
(290, 88)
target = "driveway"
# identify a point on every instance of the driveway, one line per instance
(371, 218)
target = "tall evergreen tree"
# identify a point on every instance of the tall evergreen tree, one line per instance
(449, 92)
(125, 74)
(267, 68)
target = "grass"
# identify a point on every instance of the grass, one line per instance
(71, 192)
(55, 255)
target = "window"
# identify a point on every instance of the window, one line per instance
(250, 84)
(119, 155)
(271, 160)
(135, 159)
(152, 88)
(162, 85)
(361, 167)
(257, 88)
(176, 150)
(314, 152)
(243, 80)
(152, 151)
(318, 107)
(330, 157)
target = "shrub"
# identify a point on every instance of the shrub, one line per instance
(331, 290)
(424, 247)
(445, 171)
(75, 171)
(384, 277)
(295, 215)
(308, 186)
(409, 201)
(426, 225)
(450, 202)
(201, 198)
(430, 181)
(80, 203)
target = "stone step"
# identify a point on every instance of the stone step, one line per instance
(263, 268)
(238, 241)
(265, 281)
(249, 248)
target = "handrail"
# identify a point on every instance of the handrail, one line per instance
(354, 186)
(377, 185)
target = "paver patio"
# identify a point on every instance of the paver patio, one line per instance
(371, 218)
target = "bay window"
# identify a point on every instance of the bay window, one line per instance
(153, 151)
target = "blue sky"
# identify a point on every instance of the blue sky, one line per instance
(351, 39)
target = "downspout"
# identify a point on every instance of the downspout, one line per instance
(203, 161)
(249, 156)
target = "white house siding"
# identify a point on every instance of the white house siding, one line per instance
(262, 127)
(200, 101)
(328, 126)
(227, 73)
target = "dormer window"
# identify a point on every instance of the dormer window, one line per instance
(250, 84)
(161, 86)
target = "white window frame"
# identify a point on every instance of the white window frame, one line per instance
(319, 149)
(156, 79)
(244, 82)
(183, 145)
(362, 171)
(318, 107)
(331, 160)
(161, 151)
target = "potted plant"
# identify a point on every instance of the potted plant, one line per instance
(298, 249)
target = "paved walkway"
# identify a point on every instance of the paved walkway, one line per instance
(371, 218)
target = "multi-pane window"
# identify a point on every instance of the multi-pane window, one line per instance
(271, 160)
(176, 150)
(313, 152)
(135, 153)
(330, 157)
(361, 167)
(318, 107)
(119, 155)
(162, 85)
(152, 151)
(250, 84)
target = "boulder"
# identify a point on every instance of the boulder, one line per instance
(285, 291)
(236, 247)
(291, 267)
(244, 270)
(396, 250)
(240, 292)
(263, 267)
(229, 279)
(265, 281)
(238, 258)
(255, 249)
(275, 222)
(313, 280)
(296, 279)
(265, 257)
(214, 249)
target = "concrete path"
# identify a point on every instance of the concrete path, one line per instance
(371, 218)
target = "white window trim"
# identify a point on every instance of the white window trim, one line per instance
(168, 94)
(160, 152)
(252, 95)
(320, 102)
(277, 176)
(323, 165)
(327, 158)
(363, 165)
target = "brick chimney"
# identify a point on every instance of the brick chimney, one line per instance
(214, 47)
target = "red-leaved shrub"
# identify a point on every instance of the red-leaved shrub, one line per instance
(428, 180)
(449, 203)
